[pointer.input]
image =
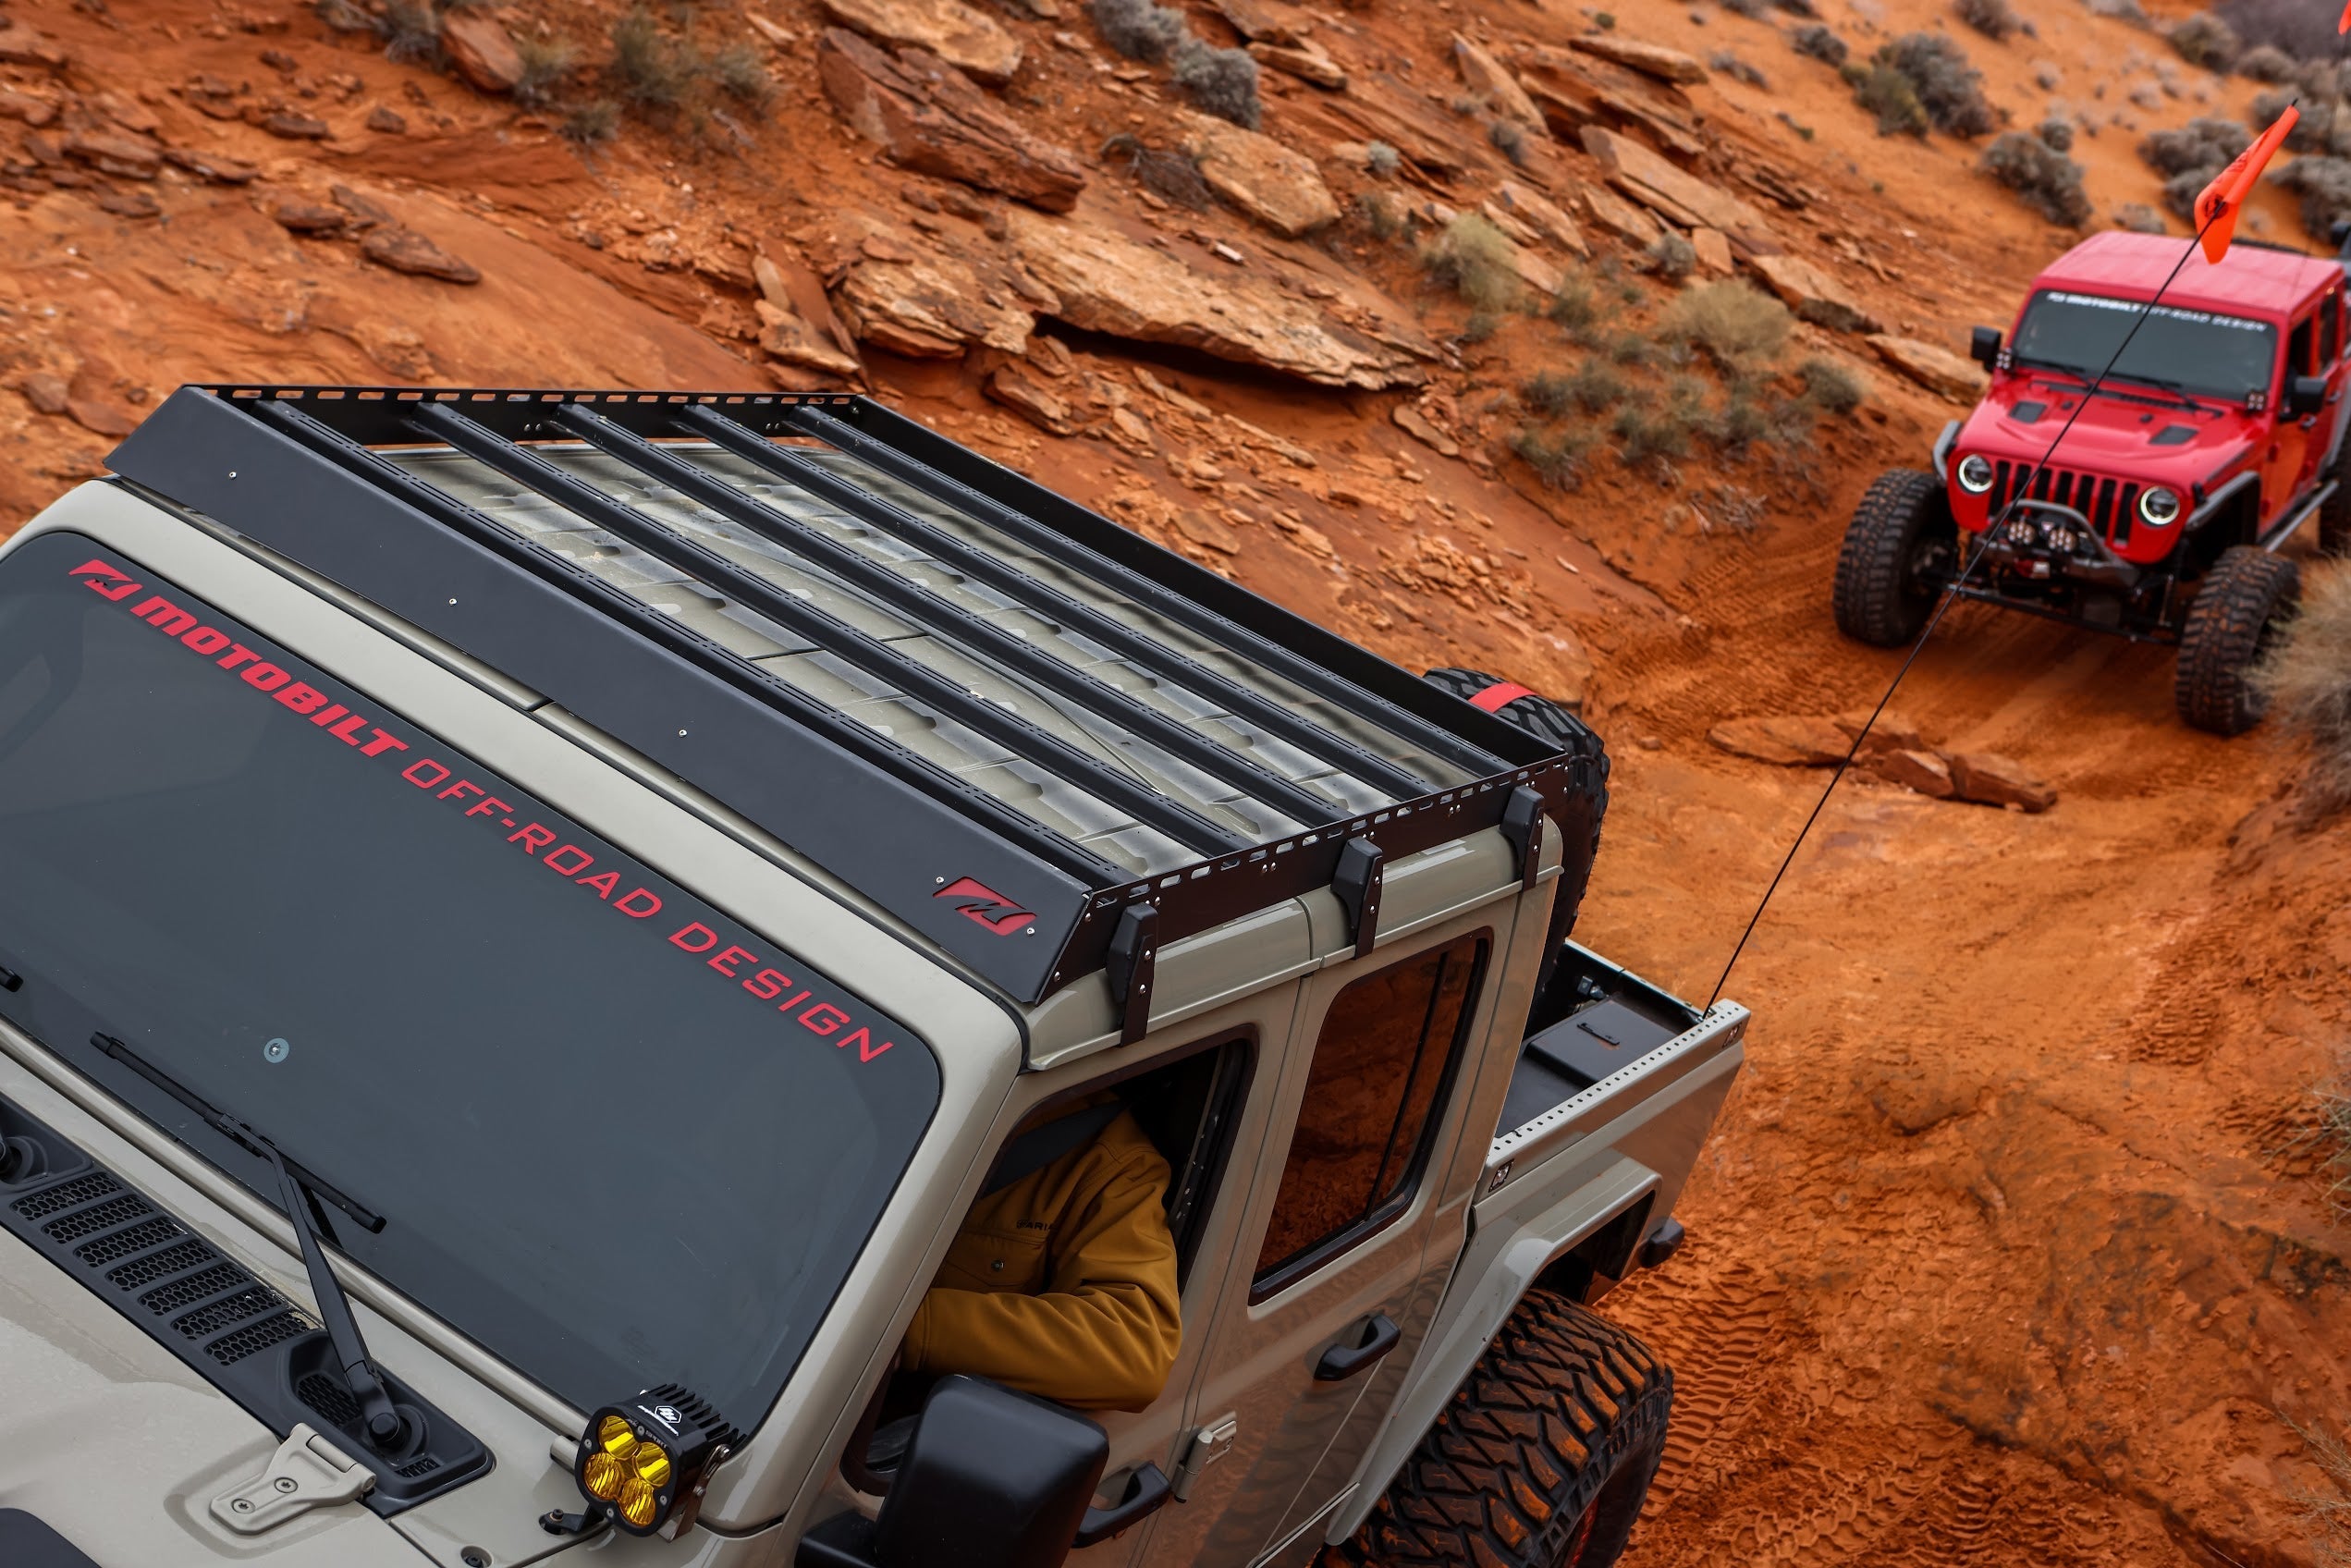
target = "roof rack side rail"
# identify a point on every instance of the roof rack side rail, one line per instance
(934, 610)
(916, 679)
(1042, 598)
(1344, 694)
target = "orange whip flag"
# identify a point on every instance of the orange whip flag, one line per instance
(2218, 203)
(2344, 25)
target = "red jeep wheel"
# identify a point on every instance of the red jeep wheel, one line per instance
(2230, 625)
(1887, 577)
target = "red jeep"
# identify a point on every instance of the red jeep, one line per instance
(2159, 517)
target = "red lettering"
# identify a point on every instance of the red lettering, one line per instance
(732, 955)
(603, 882)
(787, 1007)
(206, 640)
(628, 904)
(489, 805)
(302, 699)
(165, 616)
(832, 1019)
(532, 839)
(768, 984)
(709, 939)
(439, 773)
(348, 731)
(585, 860)
(265, 678)
(238, 654)
(328, 715)
(867, 1049)
(458, 789)
(383, 743)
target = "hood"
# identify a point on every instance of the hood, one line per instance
(120, 1449)
(2149, 438)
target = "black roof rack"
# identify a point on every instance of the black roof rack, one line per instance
(1188, 752)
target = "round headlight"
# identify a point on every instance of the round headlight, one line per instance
(2160, 506)
(1974, 473)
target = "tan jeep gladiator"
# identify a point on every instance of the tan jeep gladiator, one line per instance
(527, 919)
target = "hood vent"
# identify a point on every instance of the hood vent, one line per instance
(2173, 435)
(2029, 412)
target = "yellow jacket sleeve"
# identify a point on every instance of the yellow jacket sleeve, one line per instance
(1064, 1283)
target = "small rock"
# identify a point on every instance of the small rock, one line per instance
(789, 337)
(1414, 424)
(935, 121)
(404, 250)
(23, 46)
(1540, 214)
(1788, 740)
(1649, 60)
(1181, 401)
(386, 121)
(1937, 370)
(43, 391)
(124, 157)
(218, 167)
(1680, 197)
(309, 217)
(481, 51)
(1616, 215)
(1305, 61)
(99, 419)
(1892, 731)
(26, 106)
(1813, 293)
(971, 42)
(129, 204)
(1046, 409)
(1924, 772)
(1485, 77)
(1205, 532)
(1990, 779)
(295, 127)
(1713, 248)
(364, 212)
(1227, 252)
(1267, 21)
(1274, 185)
(1130, 432)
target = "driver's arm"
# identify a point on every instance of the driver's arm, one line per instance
(1091, 1317)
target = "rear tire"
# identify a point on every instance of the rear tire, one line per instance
(1885, 588)
(2235, 614)
(1542, 1459)
(1539, 716)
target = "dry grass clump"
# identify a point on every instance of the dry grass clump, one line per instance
(1383, 215)
(1991, 17)
(1819, 40)
(1732, 323)
(1138, 29)
(1591, 387)
(2189, 157)
(592, 123)
(1222, 82)
(1559, 457)
(1725, 62)
(2205, 40)
(545, 62)
(2139, 218)
(1175, 175)
(411, 31)
(649, 70)
(2301, 30)
(1830, 386)
(2324, 184)
(1947, 88)
(2265, 62)
(1888, 95)
(1671, 256)
(2329, 1518)
(2306, 677)
(1510, 137)
(2043, 179)
(1477, 260)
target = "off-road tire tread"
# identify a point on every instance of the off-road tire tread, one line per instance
(1867, 597)
(2245, 588)
(2334, 514)
(1529, 1439)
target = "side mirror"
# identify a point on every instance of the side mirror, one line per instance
(1983, 345)
(2304, 395)
(992, 1479)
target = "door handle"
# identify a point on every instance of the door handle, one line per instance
(1147, 1492)
(1341, 1362)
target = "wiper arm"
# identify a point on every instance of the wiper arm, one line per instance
(380, 1419)
(2106, 383)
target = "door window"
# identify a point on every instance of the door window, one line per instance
(1387, 1046)
(2297, 347)
(2329, 331)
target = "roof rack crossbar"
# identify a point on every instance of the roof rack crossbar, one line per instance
(909, 766)
(1043, 599)
(1026, 740)
(1332, 688)
(928, 607)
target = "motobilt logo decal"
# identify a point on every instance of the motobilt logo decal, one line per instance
(978, 902)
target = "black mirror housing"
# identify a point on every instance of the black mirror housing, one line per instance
(1983, 345)
(2304, 395)
(993, 1480)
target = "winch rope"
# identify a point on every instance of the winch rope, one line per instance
(1951, 596)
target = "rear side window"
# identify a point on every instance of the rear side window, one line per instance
(2297, 347)
(2330, 330)
(1387, 1048)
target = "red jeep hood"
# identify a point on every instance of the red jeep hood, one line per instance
(2110, 436)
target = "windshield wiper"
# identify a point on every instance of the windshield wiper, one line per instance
(2176, 388)
(382, 1422)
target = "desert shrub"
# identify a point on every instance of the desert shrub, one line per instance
(1829, 386)
(1591, 387)
(2314, 131)
(1632, 348)
(1887, 93)
(1383, 215)
(591, 123)
(1947, 88)
(1729, 322)
(1820, 41)
(1138, 29)
(1382, 160)
(2203, 146)
(2057, 132)
(1222, 82)
(1726, 62)
(737, 71)
(545, 62)
(1574, 309)
(342, 16)
(650, 70)
(2043, 179)
(1651, 433)
(1558, 458)
(2265, 62)
(2328, 1518)
(1753, 9)
(1176, 176)
(1991, 17)
(412, 30)
(1480, 325)
(1509, 137)
(2130, 11)
(2205, 40)
(1671, 256)
(1476, 260)
(2302, 30)
(2307, 674)
(2139, 218)
(2324, 184)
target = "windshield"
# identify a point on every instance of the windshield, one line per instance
(615, 1137)
(2194, 350)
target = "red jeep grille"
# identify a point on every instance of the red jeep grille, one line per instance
(2110, 504)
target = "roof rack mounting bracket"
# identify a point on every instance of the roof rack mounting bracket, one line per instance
(1523, 825)
(1132, 963)
(1362, 869)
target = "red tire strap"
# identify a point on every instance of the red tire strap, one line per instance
(1499, 695)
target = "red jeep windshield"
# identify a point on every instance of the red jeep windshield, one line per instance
(2214, 356)
(615, 1136)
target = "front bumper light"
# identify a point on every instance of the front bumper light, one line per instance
(1974, 473)
(2160, 506)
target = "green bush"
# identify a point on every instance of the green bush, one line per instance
(545, 62)
(1948, 89)
(1820, 41)
(1573, 308)
(2044, 179)
(650, 70)
(1672, 256)
(1476, 260)
(1887, 93)
(2205, 40)
(1729, 322)
(1991, 17)
(1591, 387)
(1830, 387)
(740, 75)
(1558, 458)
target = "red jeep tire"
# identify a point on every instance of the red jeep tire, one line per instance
(1542, 1460)
(1883, 592)
(2230, 625)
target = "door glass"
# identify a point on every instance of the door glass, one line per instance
(2297, 347)
(1379, 1064)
